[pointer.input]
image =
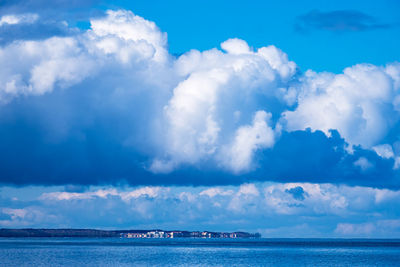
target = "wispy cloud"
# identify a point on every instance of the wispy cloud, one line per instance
(28, 18)
(338, 21)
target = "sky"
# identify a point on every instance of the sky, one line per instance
(277, 117)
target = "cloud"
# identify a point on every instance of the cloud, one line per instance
(355, 229)
(142, 37)
(111, 105)
(349, 102)
(214, 86)
(65, 61)
(315, 157)
(363, 163)
(275, 209)
(125, 196)
(384, 151)
(215, 191)
(49, 8)
(30, 26)
(27, 18)
(248, 189)
(41, 19)
(338, 21)
(22, 217)
(36, 31)
(247, 140)
(371, 229)
(55, 60)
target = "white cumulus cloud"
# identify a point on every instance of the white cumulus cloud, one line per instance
(37, 67)
(360, 103)
(218, 106)
(238, 156)
(206, 108)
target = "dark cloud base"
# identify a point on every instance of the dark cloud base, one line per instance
(305, 156)
(35, 151)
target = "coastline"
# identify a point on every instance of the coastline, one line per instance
(153, 233)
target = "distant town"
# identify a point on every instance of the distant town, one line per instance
(188, 234)
(28, 232)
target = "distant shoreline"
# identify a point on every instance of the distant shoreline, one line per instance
(153, 233)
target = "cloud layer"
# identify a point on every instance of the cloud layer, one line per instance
(274, 209)
(110, 105)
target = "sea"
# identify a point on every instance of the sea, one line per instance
(198, 252)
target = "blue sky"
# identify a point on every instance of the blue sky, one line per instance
(204, 24)
(279, 117)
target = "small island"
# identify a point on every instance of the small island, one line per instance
(157, 233)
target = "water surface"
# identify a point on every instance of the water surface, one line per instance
(197, 252)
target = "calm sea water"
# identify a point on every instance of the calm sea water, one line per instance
(197, 252)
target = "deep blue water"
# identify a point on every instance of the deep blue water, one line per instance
(197, 252)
